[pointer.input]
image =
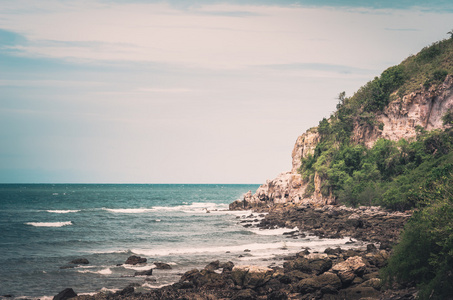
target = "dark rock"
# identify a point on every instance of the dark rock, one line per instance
(277, 295)
(314, 265)
(358, 293)
(330, 251)
(213, 266)
(65, 294)
(162, 266)
(133, 260)
(80, 261)
(227, 266)
(371, 248)
(247, 294)
(144, 273)
(327, 281)
(127, 291)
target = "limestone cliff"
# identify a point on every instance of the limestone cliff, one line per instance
(399, 119)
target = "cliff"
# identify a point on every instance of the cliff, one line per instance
(401, 118)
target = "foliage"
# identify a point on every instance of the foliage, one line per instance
(424, 255)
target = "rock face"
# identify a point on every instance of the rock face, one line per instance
(399, 119)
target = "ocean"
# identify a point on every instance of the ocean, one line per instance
(43, 227)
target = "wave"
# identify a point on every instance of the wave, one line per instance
(63, 211)
(106, 271)
(278, 231)
(128, 210)
(195, 207)
(49, 224)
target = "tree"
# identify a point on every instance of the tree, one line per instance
(450, 33)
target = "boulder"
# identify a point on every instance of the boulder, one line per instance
(316, 265)
(247, 294)
(80, 261)
(65, 294)
(133, 260)
(213, 266)
(356, 293)
(327, 282)
(144, 273)
(349, 269)
(162, 266)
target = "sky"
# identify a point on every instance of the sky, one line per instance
(112, 91)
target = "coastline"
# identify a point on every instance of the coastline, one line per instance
(347, 272)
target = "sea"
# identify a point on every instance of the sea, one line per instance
(43, 227)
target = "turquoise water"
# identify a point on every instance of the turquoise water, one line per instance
(44, 227)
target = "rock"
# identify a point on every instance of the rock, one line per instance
(358, 293)
(213, 266)
(80, 261)
(247, 294)
(375, 283)
(162, 266)
(329, 282)
(277, 295)
(309, 265)
(133, 260)
(65, 294)
(227, 266)
(144, 273)
(127, 291)
(330, 251)
(371, 248)
(349, 269)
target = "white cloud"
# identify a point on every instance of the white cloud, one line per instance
(196, 37)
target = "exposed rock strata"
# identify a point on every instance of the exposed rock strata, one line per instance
(399, 119)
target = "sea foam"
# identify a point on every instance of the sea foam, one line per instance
(63, 211)
(49, 224)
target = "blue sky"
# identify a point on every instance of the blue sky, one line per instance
(186, 91)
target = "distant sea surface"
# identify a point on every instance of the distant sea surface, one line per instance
(44, 227)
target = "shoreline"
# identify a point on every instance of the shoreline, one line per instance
(300, 276)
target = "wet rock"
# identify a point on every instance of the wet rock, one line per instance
(144, 273)
(247, 294)
(133, 260)
(80, 261)
(65, 294)
(162, 266)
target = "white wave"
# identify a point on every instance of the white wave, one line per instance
(63, 211)
(137, 267)
(278, 231)
(129, 210)
(49, 224)
(195, 207)
(106, 271)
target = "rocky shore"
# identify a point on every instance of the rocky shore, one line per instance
(334, 274)
(366, 223)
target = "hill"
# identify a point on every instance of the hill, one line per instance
(380, 145)
(390, 145)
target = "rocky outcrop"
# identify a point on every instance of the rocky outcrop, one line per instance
(399, 119)
(133, 260)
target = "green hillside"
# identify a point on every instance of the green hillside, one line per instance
(391, 173)
(400, 175)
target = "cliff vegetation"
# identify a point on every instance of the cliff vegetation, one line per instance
(399, 174)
